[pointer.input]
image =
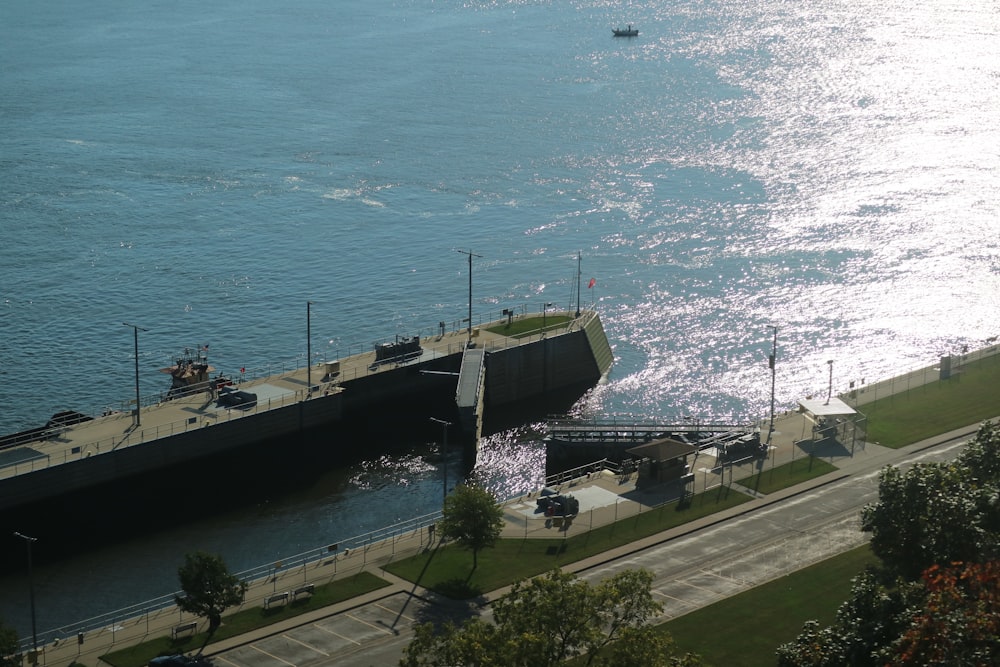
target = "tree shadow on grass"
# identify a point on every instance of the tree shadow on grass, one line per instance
(458, 588)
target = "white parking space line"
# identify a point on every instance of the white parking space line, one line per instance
(400, 614)
(270, 655)
(337, 634)
(308, 646)
(371, 625)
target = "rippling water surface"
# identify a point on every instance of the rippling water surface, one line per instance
(202, 171)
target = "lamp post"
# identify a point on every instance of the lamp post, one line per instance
(31, 594)
(471, 255)
(829, 392)
(545, 310)
(772, 360)
(444, 455)
(138, 406)
(309, 384)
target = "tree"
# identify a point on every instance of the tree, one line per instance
(472, 517)
(937, 513)
(544, 621)
(960, 622)
(865, 626)
(933, 600)
(10, 647)
(209, 589)
(647, 647)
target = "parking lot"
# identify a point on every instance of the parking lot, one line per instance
(357, 631)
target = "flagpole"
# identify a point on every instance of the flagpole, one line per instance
(578, 279)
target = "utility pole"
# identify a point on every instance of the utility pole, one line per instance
(444, 455)
(31, 595)
(829, 393)
(138, 406)
(471, 255)
(771, 362)
(309, 384)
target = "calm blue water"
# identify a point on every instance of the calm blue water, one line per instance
(204, 170)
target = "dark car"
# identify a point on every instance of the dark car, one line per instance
(559, 505)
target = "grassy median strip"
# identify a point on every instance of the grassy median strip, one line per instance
(788, 474)
(247, 620)
(448, 570)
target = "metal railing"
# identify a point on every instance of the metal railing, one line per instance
(319, 565)
(247, 380)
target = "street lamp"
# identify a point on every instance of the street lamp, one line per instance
(471, 255)
(444, 456)
(31, 595)
(545, 310)
(309, 384)
(136, 330)
(829, 392)
(772, 360)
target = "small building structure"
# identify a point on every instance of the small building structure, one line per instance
(833, 420)
(663, 460)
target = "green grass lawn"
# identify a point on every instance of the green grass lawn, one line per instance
(449, 571)
(788, 474)
(970, 396)
(746, 629)
(247, 620)
(526, 326)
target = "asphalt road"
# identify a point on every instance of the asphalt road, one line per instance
(690, 572)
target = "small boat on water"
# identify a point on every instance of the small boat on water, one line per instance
(625, 32)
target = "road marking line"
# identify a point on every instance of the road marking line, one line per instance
(308, 646)
(337, 634)
(397, 613)
(371, 625)
(271, 655)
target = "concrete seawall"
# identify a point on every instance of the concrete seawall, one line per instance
(548, 364)
(112, 448)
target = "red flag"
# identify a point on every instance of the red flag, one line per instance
(593, 281)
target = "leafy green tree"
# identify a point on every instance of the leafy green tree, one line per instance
(472, 517)
(544, 621)
(646, 647)
(10, 649)
(937, 513)
(865, 626)
(933, 600)
(209, 589)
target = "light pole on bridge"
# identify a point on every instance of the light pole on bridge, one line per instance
(31, 595)
(138, 405)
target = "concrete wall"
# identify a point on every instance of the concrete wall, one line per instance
(181, 448)
(524, 372)
(533, 369)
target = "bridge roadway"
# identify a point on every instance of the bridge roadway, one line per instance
(693, 565)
